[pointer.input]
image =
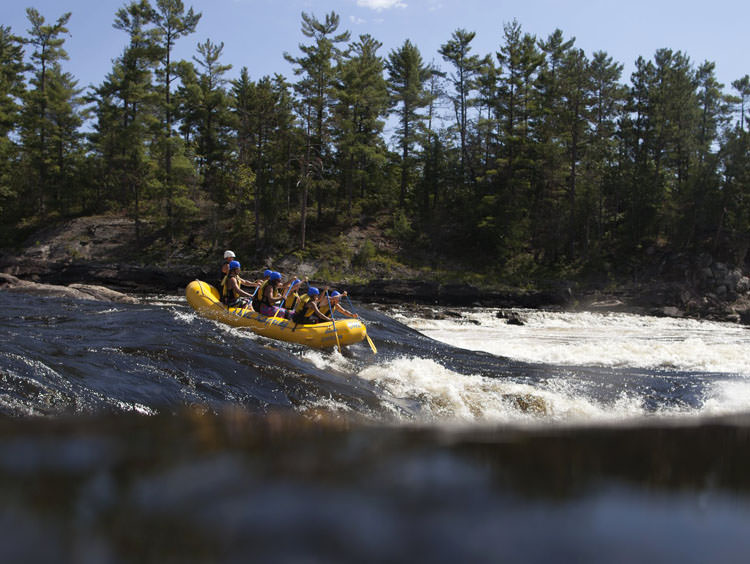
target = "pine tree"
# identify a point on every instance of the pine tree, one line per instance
(554, 128)
(263, 121)
(203, 109)
(602, 167)
(12, 88)
(464, 79)
(742, 86)
(318, 68)
(504, 213)
(407, 80)
(698, 203)
(51, 118)
(172, 23)
(127, 118)
(362, 102)
(732, 228)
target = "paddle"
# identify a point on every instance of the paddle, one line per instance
(330, 309)
(369, 341)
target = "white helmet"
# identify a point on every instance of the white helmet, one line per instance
(229, 254)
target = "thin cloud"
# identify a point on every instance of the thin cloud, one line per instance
(380, 5)
(357, 21)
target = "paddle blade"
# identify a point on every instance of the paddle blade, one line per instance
(372, 345)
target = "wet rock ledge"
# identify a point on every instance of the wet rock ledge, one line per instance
(10, 283)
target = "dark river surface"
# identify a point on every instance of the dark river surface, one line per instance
(143, 433)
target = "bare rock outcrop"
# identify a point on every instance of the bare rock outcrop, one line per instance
(10, 283)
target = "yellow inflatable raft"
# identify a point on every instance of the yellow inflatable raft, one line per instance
(205, 300)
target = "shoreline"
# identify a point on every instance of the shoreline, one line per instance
(664, 299)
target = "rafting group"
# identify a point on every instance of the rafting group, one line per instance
(274, 297)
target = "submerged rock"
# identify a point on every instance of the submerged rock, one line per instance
(511, 317)
(527, 403)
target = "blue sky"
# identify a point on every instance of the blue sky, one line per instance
(256, 33)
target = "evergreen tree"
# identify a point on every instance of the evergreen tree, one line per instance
(742, 86)
(362, 97)
(205, 118)
(407, 79)
(12, 88)
(603, 163)
(504, 213)
(559, 129)
(488, 118)
(265, 140)
(172, 23)
(732, 230)
(51, 118)
(318, 68)
(642, 198)
(464, 79)
(127, 118)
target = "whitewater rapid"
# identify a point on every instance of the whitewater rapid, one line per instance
(597, 339)
(556, 368)
(608, 367)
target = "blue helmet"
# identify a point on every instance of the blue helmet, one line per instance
(335, 294)
(274, 276)
(267, 273)
(312, 291)
(234, 264)
(296, 281)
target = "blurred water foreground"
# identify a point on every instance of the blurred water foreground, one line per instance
(237, 487)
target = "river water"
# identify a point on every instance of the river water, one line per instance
(146, 433)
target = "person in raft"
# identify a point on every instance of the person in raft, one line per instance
(271, 296)
(292, 301)
(262, 283)
(335, 303)
(309, 312)
(232, 294)
(229, 256)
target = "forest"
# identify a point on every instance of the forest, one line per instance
(536, 156)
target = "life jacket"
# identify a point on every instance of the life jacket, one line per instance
(259, 295)
(324, 309)
(291, 301)
(305, 310)
(301, 302)
(265, 297)
(228, 295)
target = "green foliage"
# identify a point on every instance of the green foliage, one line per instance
(535, 161)
(365, 254)
(401, 228)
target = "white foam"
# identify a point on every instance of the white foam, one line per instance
(590, 339)
(446, 396)
(727, 397)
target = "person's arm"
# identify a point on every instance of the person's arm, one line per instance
(340, 309)
(275, 296)
(320, 313)
(236, 286)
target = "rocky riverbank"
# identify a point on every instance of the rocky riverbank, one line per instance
(719, 293)
(98, 253)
